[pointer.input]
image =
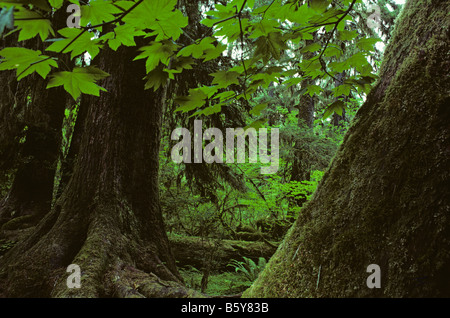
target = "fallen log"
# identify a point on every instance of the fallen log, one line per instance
(216, 253)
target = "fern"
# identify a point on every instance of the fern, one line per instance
(248, 267)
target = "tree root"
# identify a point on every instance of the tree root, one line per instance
(128, 282)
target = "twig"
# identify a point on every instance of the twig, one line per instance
(335, 28)
(322, 63)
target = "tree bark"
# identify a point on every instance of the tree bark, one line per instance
(13, 103)
(29, 105)
(108, 219)
(32, 188)
(336, 119)
(68, 161)
(385, 198)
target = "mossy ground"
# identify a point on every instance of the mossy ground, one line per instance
(219, 283)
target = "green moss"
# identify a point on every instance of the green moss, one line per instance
(219, 284)
(6, 245)
(18, 222)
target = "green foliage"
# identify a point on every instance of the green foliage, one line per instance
(26, 61)
(248, 267)
(303, 189)
(264, 42)
(81, 80)
(31, 23)
(336, 107)
(155, 53)
(76, 42)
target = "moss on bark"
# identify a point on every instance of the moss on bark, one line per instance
(108, 218)
(385, 198)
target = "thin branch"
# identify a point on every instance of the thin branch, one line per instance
(242, 49)
(118, 19)
(27, 19)
(335, 27)
(225, 20)
(322, 63)
(267, 9)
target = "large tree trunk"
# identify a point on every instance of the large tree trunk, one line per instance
(385, 198)
(108, 219)
(27, 104)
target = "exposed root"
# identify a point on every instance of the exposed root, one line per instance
(128, 282)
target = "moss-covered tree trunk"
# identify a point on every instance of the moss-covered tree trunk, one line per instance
(385, 198)
(108, 219)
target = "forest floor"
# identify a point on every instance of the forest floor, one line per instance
(234, 264)
(219, 283)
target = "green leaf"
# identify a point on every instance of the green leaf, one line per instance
(170, 27)
(197, 50)
(302, 15)
(263, 28)
(195, 100)
(181, 63)
(293, 81)
(34, 25)
(346, 35)
(223, 79)
(319, 5)
(314, 47)
(314, 90)
(80, 42)
(56, 3)
(358, 60)
(217, 108)
(367, 44)
(97, 12)
(211, 54)
(157, 52)
(336, 107)
(257, 109)
(333, 50)
(159, 16)
(6, 19)
(257, 124)
(124, 35)
(342, 90)
(26, 61)
(156, 78)
(225, 96)
(270, 45)
(80, 80)
(209, 90)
